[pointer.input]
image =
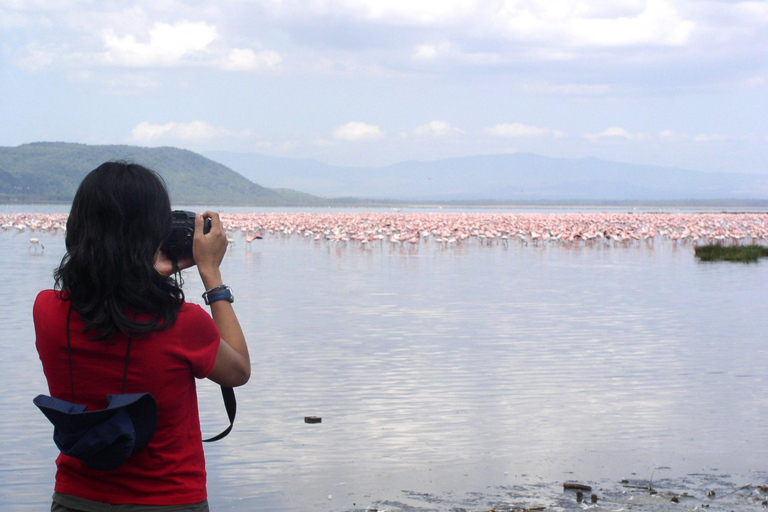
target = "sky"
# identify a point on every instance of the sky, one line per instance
(680, 83)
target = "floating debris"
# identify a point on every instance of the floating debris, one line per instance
(578, 486)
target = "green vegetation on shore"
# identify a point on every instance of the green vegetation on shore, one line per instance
(738, 253)
(50, 172)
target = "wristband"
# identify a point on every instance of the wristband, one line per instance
(222, 292)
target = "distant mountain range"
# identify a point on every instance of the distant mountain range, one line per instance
(51, 172)
(508, 177)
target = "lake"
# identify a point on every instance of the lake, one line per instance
(449, 378)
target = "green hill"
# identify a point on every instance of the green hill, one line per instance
(51, 172)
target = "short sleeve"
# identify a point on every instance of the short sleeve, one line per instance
(201, 337)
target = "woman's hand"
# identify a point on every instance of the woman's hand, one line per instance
(165, 267)
(208, 250)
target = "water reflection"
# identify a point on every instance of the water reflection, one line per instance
(446, 371)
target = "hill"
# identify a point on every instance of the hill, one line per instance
(518, 177)
(52, 171)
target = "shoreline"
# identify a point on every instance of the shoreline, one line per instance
(695, 491)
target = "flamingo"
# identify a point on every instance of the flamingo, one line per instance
(250, 237)
(454, 228)
(34, 243)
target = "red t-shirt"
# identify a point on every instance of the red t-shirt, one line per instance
(171, 469)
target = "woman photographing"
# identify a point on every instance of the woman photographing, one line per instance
(117, 324)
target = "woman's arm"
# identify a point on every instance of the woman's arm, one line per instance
(233, 363)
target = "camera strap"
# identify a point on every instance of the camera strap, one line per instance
(228, 394)
(175, 265)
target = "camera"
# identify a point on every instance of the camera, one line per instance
(179, 243)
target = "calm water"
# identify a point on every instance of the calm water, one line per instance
(446, 376)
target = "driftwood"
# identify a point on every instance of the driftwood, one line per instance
(576, 486)
(528, 509)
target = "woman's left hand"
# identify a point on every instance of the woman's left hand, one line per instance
(164, 266)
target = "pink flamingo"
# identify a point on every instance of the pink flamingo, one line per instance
(250, 237)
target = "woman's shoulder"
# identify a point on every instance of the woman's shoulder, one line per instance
(191, 315)
(191, 309)
(50, 298)
(49, 311)
(196, 327)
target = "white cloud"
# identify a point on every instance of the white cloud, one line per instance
(581, 22)
(355, 131)
(702, 137)
(287, 145)
(652, 22)
(195, 131)
(437, 129)
(671, 136)
(667, 134)
(425, 12)
(513, 130)
(506, 34)
(614, 132)
(430, 51)
(275, 147)
(609, 8)
(248, 60)
(658, 24)
(167, 45)
(183, 43)
(553, 24)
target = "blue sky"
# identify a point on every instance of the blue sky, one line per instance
(680, 83)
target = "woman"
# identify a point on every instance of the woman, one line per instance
(130, 331)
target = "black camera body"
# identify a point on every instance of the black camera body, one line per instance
(179, 243)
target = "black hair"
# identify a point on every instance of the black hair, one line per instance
(120, 217)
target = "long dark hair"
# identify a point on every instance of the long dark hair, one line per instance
(121, 215)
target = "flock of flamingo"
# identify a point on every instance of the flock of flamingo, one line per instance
(455, 229)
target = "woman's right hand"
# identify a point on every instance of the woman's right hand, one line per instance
(208, 249)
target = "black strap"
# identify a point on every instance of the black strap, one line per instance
(69, 354)
(231, 405)
(127, 357)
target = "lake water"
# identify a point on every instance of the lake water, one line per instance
(462, 377)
